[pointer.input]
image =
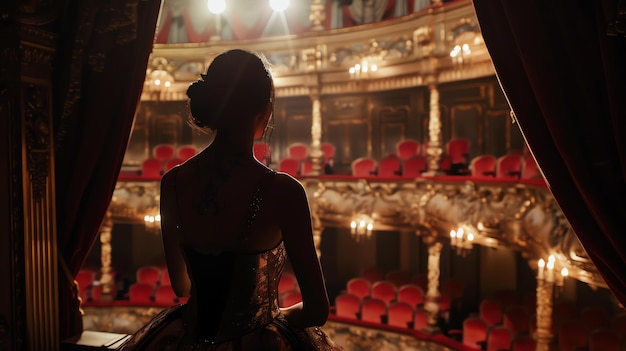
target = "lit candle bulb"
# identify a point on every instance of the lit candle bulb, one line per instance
(550, 266)
(564, 272)
(452, 237)
(540, 266)
(353, 227)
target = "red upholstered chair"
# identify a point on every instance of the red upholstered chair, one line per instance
(474, 332)
(291, 298)
(372, 274)
(397, 277)
(374, 310)
(458, 149)
(401, 315)
(420, 320)
(604, 339)
(445, 164)
(85, 279)
(411, 294)
(287, 282)
(151, 168)
(142, 293)
(298, 151)
(517, 319)
(306, 167)
(389, 166)
(348, 306)
(385, 291)
(329, 151)
(509, 167)
(364, 167)
(499, 338)
(261, 152)
(185, 152)
(594, 317)
(165, 277)
(530, 169)
(483, 166)
(96, 293)
(407, 148)
(290, 166)
(360, 287)
(169, 164)
(414, 166)
(165, 296)
(149, 275)
(453, 288)
(163, 152)
(572, 335)
(490, 311)
(523, 343)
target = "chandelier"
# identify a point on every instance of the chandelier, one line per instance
(361, 226)
(461, 241)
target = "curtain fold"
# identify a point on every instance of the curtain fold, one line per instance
(565, 80)
(104, 49)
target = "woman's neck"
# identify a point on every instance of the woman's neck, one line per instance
(233, 144)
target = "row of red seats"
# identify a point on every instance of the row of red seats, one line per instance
(164, 157)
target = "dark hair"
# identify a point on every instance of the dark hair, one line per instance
(236, 87)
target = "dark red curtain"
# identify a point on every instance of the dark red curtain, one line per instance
(563, 71)
(103, 54)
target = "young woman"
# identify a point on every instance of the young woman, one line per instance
(228, 223)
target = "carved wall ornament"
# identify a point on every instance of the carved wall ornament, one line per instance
(37, 132)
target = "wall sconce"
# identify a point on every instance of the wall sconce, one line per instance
(361, 70)
(460, 54)
(157, 83)
(361, 227)
(462, 242)
(152, 223)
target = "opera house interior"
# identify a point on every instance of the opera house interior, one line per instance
(464, 162)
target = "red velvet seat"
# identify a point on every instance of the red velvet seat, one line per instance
(151, 168)
(411, 294)
(509, 167)
(458, 149)
(163, 152)
(306, 167)
(499, 338)
(169, 164)
(185, 152)
(407, 148)
(142, 293)
(96, 293)
(445, 164)
(400, 315)
(290, 166)
(348, 306)
(374, 310)
(389, 166)
(364, 167)
(385, 291)
(298, 151)
(483, 166)
(490, 311)
(165, 296)
(291, 298)
(420, 319)
(149, 275)
(397, 277)
(287, 282)
(414, 166)
(474, 332)
(329, 151)
(261, 152)
(530, 170)
(360, 287)
(85, 279)
(165, 277)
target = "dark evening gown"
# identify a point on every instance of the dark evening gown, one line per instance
(233, 306)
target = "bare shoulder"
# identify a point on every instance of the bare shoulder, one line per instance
(288, 186)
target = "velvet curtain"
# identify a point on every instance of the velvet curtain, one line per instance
(101, 66)
(564, 74)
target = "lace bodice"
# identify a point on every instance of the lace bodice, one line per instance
(232, 293)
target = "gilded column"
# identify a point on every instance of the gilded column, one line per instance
(545, 286)
(106, 278)
(316, 154)
(318, 15)
(434, 147)
(29, 311)
(431, 304)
